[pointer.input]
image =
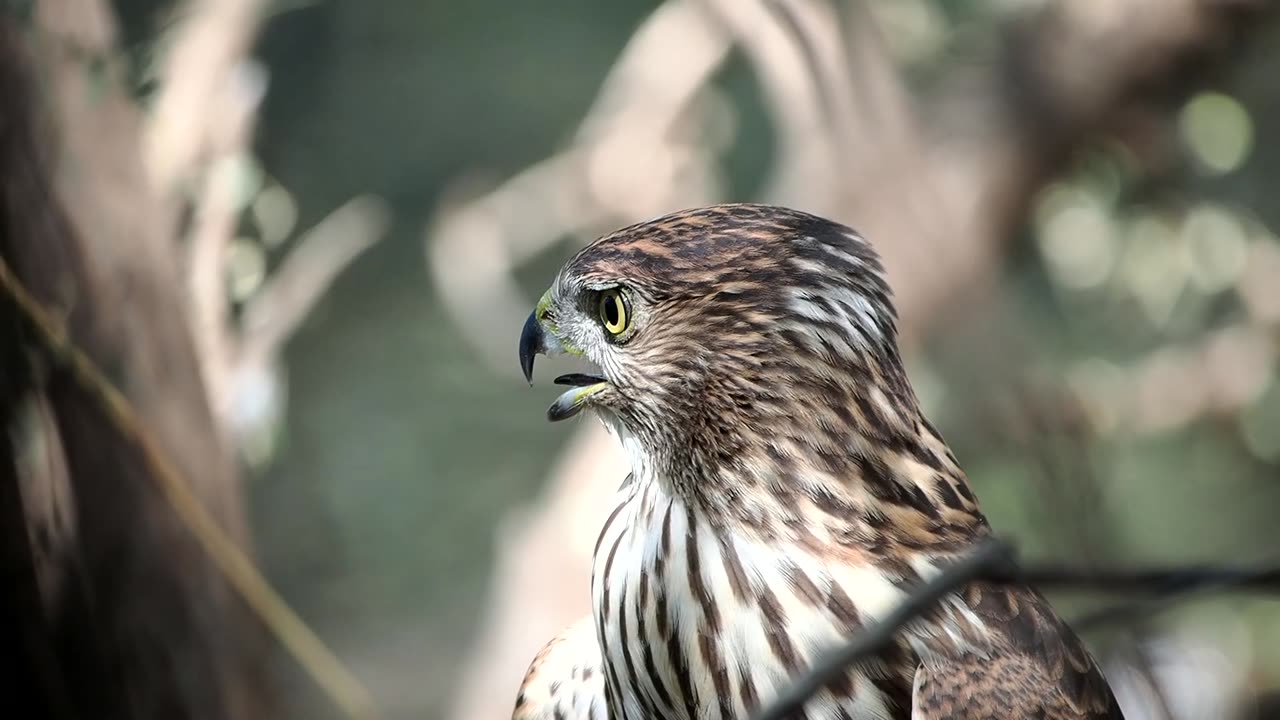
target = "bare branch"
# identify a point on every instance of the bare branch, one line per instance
(806, 171)
(281, 305)
(213, 38)
(633, 157)
(871, 114)
(1065, 74)
(217, 214)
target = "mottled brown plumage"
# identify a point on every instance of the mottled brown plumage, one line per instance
(785, 490)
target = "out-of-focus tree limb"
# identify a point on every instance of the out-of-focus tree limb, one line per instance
(1065, 74)
(635, 154)
(146, 627)
(211, 43)
(144, 608)
(198, 137)
(69, 363)
(807, 170)
(216, 217)
(938, 183)
(276, 311)
(994, 561)
(30, 542)
(248, 394)
(126, 262)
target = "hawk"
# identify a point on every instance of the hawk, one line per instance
(785, 491)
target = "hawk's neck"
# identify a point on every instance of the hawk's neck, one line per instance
(884, 495)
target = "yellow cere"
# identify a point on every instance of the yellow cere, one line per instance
(540, 311)
(544, 303)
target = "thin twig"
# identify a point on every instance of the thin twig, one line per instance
(1177, 580)
(1171, 586)
(328, 672)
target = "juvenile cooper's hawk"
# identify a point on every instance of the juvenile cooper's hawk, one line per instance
(785, 491)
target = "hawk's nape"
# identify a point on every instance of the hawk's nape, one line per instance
(786, 491)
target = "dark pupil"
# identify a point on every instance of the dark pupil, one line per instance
(611, 311)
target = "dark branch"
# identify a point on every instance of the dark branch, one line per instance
(1175, 586)
(1167, 581)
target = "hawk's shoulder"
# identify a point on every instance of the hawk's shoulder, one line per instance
(1039, 667)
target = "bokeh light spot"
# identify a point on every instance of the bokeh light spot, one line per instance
(1218, 131)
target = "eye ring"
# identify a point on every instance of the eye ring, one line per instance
(614, 312)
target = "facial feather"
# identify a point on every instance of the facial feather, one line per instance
(763, 358)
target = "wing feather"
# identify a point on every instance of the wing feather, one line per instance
(1040, 669)
(565, 681)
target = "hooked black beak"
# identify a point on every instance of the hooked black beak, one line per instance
(533, 340)
(530, 345)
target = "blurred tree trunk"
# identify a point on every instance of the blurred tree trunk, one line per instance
(111, 607)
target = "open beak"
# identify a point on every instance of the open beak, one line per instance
(534, 340)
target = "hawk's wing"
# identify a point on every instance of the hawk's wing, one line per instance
(1041, 669)
(565, 680)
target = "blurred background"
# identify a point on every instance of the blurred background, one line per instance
(301, 237)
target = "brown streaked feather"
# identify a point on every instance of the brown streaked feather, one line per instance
(1036, 667)
(1048, 664)
(1008, 687)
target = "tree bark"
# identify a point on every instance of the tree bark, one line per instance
(143, 625)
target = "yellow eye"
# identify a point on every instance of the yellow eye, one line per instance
(613, 312)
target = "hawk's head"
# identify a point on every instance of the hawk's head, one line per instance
(729, 337)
